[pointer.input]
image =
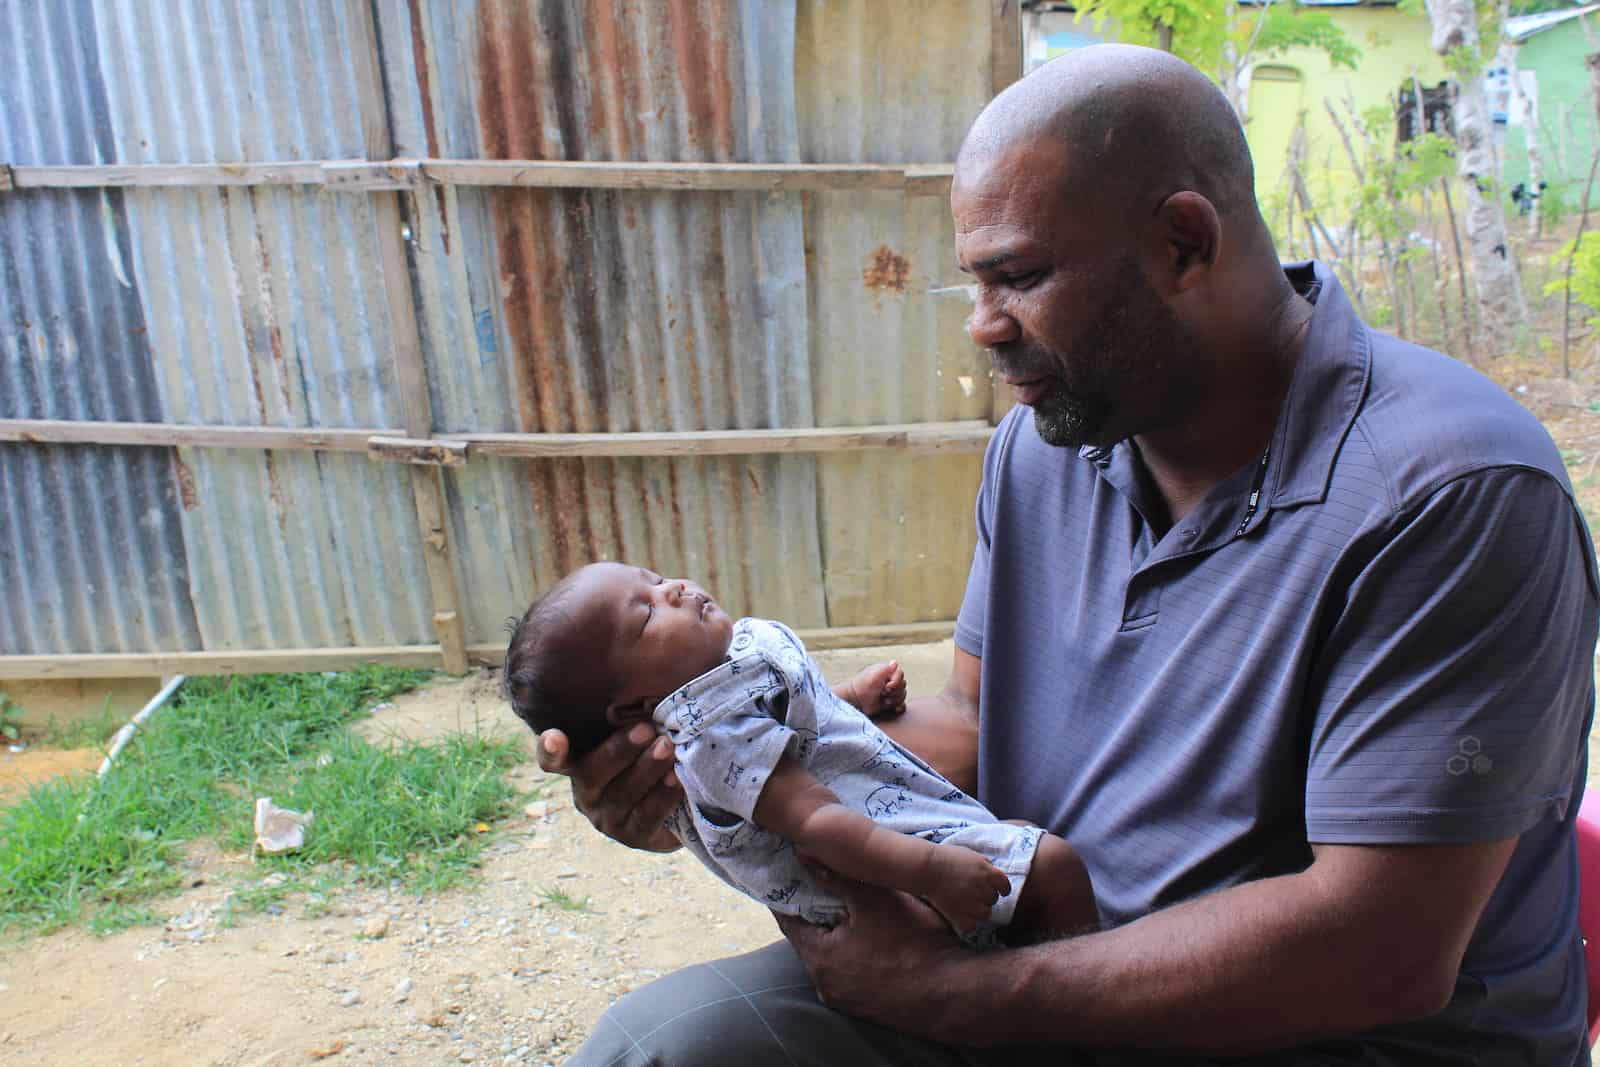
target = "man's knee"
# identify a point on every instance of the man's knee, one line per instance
(732, 1011)
(757, 1008)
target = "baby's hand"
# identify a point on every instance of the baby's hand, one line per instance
(965, 886)
(879, 690)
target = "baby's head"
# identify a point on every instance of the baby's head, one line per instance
(605, 645)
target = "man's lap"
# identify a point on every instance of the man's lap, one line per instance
(759, 1008)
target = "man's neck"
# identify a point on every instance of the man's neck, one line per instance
(1190, 459)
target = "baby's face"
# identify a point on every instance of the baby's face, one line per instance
(663, 631)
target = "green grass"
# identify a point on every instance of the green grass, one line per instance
(564, 900)
(93, 732)
(72, 852)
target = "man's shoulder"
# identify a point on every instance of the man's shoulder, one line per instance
(1429, 419)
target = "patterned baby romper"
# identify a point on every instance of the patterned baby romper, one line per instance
(730, 726)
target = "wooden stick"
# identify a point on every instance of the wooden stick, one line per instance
(966, 435)
(275, 661)
(361, 175)
(963, 436)
(62, 431)
(411, 373)
(1577, 245)
(1005, 44)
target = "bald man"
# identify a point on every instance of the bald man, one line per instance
(1287, 625)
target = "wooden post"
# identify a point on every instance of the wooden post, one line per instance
(427, 482)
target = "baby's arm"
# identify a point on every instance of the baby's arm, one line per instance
(958, 882)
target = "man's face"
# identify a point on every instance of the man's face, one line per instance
(662, 631)
(1064, 306)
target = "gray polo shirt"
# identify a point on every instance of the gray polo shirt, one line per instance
(1397, 648)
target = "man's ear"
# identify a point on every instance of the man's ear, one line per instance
(633, 711)
(1191, 239)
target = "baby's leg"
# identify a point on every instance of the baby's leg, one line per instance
(1057, 898)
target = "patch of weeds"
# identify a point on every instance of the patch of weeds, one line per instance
(73, 850)
(115, 917)
(93, 732)
(409, 811)
(564, 900)
(10, 718)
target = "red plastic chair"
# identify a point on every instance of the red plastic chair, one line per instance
(1589, 902)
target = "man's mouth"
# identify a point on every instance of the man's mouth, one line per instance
(1027, 390)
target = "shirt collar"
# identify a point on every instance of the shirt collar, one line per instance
(1325, 393)
(1324, 396)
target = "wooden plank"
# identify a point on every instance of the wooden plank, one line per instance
(787, 177)
(378, 175)
(280, 660)
(423, 453)
(1005, 43)
(257, 661)
(61, 431)
(181, 175)
(411, 374)
(453, 641)
(816, 640)
(963, 436)
(362, 176)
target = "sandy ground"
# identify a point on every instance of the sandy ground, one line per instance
(498, 973)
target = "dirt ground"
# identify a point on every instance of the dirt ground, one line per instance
(503, 972)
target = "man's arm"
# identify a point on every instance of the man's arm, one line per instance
(959, 882)
(1364, 936)
(943, 729)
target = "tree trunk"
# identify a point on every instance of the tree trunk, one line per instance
(1494, 275)
(1530, 135)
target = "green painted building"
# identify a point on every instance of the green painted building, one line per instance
(1549, 50)
(1300, 86)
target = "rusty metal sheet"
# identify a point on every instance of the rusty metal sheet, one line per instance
(91, 557)
(265, 309)
(891, 82)
(560, 310)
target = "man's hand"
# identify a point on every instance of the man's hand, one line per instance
(626, 787)
(891, 961)
(879, 691)
(964, 886)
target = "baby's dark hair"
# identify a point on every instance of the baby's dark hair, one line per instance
(554, 676)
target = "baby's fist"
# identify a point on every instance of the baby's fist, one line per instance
(967, 885)
(879, 690)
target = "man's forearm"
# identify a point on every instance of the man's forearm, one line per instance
(1255, 967)
(943, 733)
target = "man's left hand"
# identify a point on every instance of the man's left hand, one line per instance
(891, 961)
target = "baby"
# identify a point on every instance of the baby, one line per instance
(779, 770)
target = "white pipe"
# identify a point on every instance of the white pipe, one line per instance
(120, 740)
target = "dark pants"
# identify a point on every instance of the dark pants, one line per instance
(760, 1010)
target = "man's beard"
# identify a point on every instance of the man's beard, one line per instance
(1123, 356)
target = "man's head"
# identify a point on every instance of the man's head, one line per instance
(1097, 202)
(605, 645)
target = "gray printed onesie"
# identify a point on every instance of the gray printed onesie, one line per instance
(730, 726)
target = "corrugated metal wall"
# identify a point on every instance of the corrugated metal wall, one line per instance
(540, 310)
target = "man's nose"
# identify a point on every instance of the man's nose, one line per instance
(988, 326)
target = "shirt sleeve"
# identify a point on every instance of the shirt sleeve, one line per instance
(733, 754)
(974, 602)
(1454, 691)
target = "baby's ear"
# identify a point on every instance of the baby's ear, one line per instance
(618, 714)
